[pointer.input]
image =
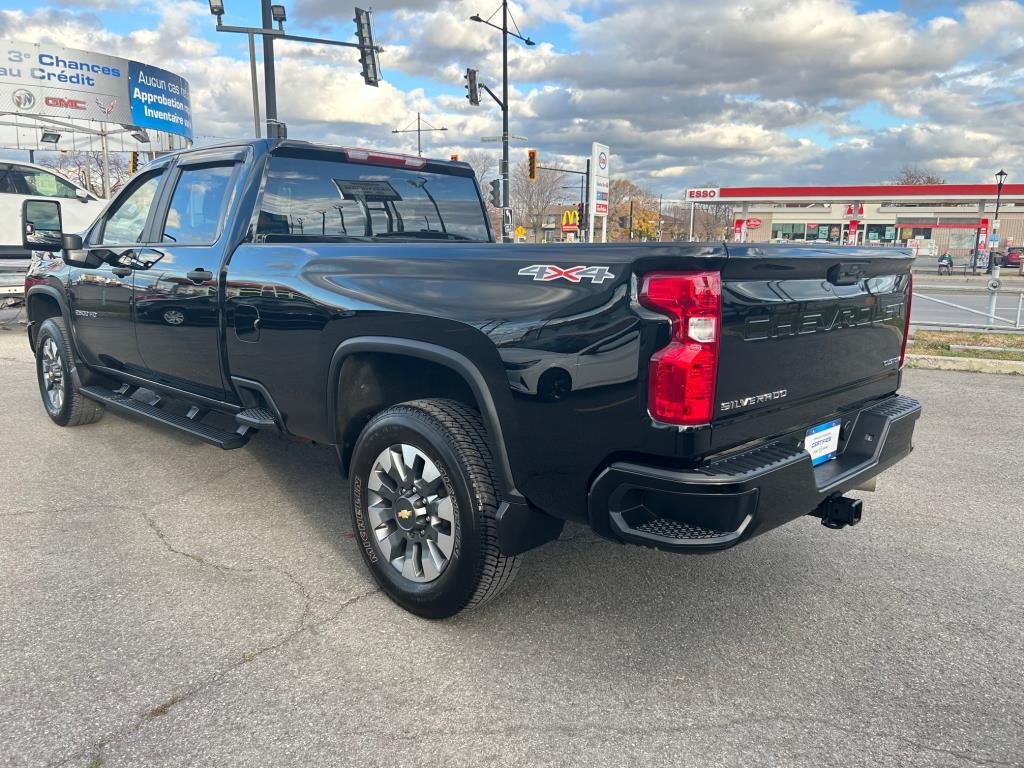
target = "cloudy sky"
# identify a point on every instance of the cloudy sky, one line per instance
(684, 91)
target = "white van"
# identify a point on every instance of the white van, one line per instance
(20, 182)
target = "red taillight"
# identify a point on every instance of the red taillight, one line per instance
(682, 375)
(906, 323)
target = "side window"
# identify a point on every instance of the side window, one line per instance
(126, 220)
(8, 181)
(194, 213)
(44, 183)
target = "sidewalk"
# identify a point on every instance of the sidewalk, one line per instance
(928, 276)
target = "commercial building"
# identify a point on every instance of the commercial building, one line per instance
(932, 218)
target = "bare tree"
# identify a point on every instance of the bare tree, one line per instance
(483, 163)
(912, 174)
(85, 168)
(531, 200)
(712, 221)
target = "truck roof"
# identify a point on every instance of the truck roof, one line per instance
(269, 145)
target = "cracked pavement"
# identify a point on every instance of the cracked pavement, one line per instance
(168, 604)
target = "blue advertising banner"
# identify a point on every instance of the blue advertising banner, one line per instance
(159, 99)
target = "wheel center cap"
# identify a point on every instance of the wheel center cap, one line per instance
(409, 518)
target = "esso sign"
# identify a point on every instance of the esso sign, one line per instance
(710, 193)
(754, 223)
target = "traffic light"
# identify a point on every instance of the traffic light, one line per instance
(531, 164)
(472, 89)
(367, 50)
(133, 162)
(496, 193)
(582, 211)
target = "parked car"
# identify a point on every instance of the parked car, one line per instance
(683, 396)
(1013, 256)
(20, 182)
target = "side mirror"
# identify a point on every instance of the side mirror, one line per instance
(41, 225)
(81, 195)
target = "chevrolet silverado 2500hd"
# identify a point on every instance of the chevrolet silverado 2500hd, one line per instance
(685, 396)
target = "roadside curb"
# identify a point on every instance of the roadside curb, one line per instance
(973, 364)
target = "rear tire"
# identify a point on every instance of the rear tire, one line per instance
(58, 379)
(423, 508)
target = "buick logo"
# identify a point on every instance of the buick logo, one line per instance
(23, 99)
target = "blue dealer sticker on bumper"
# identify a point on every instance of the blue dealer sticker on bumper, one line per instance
(822, 442)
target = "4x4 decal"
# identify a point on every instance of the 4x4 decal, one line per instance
(548, 272)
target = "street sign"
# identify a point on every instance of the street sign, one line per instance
(597, 194)
(506, 221)
(520, 232)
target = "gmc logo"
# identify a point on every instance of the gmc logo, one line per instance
(61, 103)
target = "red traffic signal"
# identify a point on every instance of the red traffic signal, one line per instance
(531, 164)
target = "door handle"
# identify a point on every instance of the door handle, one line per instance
(199, 275)
(121, 271)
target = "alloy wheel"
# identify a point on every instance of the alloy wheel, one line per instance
(53, 374)
(411, 512)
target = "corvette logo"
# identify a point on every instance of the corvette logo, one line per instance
(548, 272)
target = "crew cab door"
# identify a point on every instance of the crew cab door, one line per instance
(177, 300)
(101, 298)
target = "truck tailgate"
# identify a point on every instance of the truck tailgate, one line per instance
(806, 331)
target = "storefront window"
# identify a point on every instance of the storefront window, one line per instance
(880, 233)
(788, 231)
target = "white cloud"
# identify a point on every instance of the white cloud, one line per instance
(735, 90)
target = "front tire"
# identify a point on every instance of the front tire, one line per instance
(423, 508)
(58, 379)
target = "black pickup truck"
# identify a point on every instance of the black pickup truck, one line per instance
(683, 396)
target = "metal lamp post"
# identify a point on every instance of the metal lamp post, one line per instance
(275, 14)
(993, 268)
(506, 237)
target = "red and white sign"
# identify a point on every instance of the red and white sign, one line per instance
(983, 234)
(737, 231)
(754, 223)
(707, 193)
(851, 237)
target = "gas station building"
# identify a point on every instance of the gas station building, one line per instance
(932, 218)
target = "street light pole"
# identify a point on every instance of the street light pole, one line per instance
(993, 268)
(506, 237)
(268, 66)
(276, 13)
(1000, 179)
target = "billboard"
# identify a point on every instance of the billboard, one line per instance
(37, 79)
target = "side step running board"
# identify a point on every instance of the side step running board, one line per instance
(122, 402)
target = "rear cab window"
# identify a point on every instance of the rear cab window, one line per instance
(330, 199)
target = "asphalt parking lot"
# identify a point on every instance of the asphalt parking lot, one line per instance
(168, 604)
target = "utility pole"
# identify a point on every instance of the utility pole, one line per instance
(273, 13)
(506, 235)
(505, 201)
(419, 132)
(268, 67)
